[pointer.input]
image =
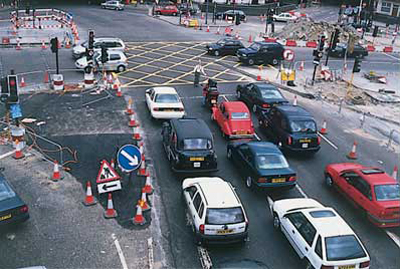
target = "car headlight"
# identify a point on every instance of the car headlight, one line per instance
(210, 48)
(244, 55)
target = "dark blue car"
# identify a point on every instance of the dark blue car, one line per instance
(225, 46)
(261, 53)
(262, 164)
(12, 208)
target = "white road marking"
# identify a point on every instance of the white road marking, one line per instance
(5, 155)
(205, 259)
(391, 56)
(328, 141)
(301, 191)
(257, 137)
(120, 253)
(151, 252)
(394, 237)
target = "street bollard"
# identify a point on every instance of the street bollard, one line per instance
(340, 105)
(390, 138)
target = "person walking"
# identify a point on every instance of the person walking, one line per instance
(198, 70)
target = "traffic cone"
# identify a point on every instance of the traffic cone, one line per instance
(139, 219)
(237, 35)
(148, 187)
(112, 163)
(301, 67)
(208, 29)
(110, 212)
(259, 74)
(68, 44)
(89, 199)
(110, 78)
(394, 174)
(18, 150)
(43, 45)
(323, 129)
(119, 92)
(132, 121)
(22, 84)
(250, 39)
(218, 31)
(295, 100)
(142, 170)
(143, 202)
(136, 133)
(56, 172)
(46, 77)
(352, 154)
(129, 109)
(104, 77)
(18, 47)
(141, 150)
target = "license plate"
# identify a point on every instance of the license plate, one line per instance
(225, 231)
(196, 164)
(278, 180)
(194, 159)
(5, 217)
(168, 110)
(213, 101)
(304, 145)
(242, 132)
(347, 267)
(305, 140)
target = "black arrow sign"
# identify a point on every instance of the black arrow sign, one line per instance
(105, 187)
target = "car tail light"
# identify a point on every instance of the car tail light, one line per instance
(364, 264)
(289, 140)
(181, 109)
(156, 109)
(24, 209)
(319, 140)
(201, 228)
(262, 180)
(327, 267)
(265, 105)
(292, 178)
(247, 226)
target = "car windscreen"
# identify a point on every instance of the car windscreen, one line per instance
(196, 144)
(255, 46)
(271, 161)
(343, 248)
(303, 126)
(270, 94)
(5, 191)
(221, 216)
(167, 98)
(388, 192)
(221, 42)
(239, 115)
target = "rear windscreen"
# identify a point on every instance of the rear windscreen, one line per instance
(344, 247)
(220, 216)
(5, 191)
(303, 126)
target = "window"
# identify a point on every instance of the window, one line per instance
(284, 124)
(387, 192)
(271, 161)
(219, 216)
(386, 7)
(303, 226)
(196, 144)
(318, 247)
(192, 191)
(344, 247)
(303, 126)
(167, 98)
(201, 210)
(197, 201)
(361, 186)
(5, 191)
(115, 57)
(322, 214)
(239, 115)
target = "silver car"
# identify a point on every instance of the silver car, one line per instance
(116, 5)
(117, 61)
(111, 43)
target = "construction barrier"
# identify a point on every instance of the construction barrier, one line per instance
(311, 44)
(291, 43)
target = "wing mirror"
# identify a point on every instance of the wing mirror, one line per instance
(148, 91)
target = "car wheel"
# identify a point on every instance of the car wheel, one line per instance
(216, 53)
(254, 108)
(250, 61)
(238, 95)
(249, 182)
(229, 154)
(328, 180)
(158, 13)
(121, 68)
(275, 61)
(276, 222)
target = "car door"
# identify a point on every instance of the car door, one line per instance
(230, 47)
(362, 193)
(253, 95)
(150, 98)
(344, 182)
(190, 194)
(114, 61)
(290, 225)
(246, 93)
(241, 158)
(316, 254)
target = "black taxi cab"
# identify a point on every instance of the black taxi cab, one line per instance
(189, 145)
(291, 127)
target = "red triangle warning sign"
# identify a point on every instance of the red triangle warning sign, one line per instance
(106, 173)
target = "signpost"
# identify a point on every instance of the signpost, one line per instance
(107, 179)
(129, 158)
(288, 55)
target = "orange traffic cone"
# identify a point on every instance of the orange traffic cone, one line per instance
(112, 163)
(18, 150)
(89, 199)
(142, 170)
(260, 71)
(323, 129)
(352, 154)
(68, 44)
(43, 45)
(250, 39)
(132, 120)
(143, 202)
(129, 109)
(22, 84)
(110, 78)
(301, 67)
(18, 47)
(237, 35)
(46, 77)
(56, 172)
(295, 100)
(148, 187)
(394, 174)
(139, 219)
(136, 133)
(110, 212)
(104, 77)
(141, 150)
(218, 31)
(208, 29)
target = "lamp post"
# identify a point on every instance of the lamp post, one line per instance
(207, 6)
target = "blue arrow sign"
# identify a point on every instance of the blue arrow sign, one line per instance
(129, 157)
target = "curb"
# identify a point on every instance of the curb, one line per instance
(176, 24)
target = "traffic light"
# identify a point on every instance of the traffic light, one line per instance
(317, 54)
(335, 38)
(54, 44)
(357, 65)
(27, 10)
(322, 43)
(5, 92)
(91, 39)
(237, 19)
(12, 83)
(104, 54)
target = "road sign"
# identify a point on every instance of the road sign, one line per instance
(129, 158)
(288, 55)
(109, 186)
(15, 110)
(106, 173)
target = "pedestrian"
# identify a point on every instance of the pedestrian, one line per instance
(198, 70)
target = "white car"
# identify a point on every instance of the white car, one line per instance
(117, 61)
(319, 235)
(111, 43)
(285, 17)
(117, 5)
(215, 211)
(164, 103)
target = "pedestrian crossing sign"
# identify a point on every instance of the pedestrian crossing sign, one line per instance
(106, 173)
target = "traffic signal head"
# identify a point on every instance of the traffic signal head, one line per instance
(357, 65)
(27, 10)
(104, 54)
(335, 38)
(318, 54)
(237, 19)
(91, 39)
(12, 83)
(322, 42)
(54, 44)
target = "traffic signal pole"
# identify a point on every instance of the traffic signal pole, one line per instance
(57, 67)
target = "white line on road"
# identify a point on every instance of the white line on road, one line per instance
(328, 141)
(301, 191)
(5, 155)
(391, 56)
(119, 250)
(151, 252)
(394, 237)
(257, 137)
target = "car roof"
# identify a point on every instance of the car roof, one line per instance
(219, 194)
(191, 128)
(378, 178)
(263, 147)
(235, 106)
(264, 43)
(164, 90)
(265, 85)
(292, 111)
(107, 39)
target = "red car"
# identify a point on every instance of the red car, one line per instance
(167, 10)
(369, 188)
(234, 120)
